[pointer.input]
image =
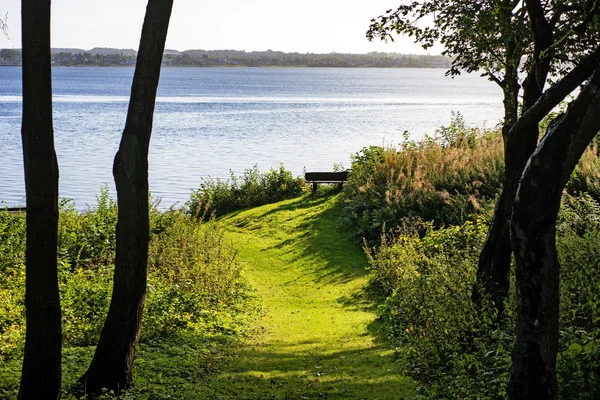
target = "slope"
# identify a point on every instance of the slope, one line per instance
(314, 340)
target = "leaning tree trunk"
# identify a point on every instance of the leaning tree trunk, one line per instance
(494, 259)
(41, 376)
(533, 367)
(493, 268)
(112, 365)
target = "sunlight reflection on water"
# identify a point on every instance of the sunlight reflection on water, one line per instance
(211, 120)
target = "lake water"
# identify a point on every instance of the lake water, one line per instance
(212, 120)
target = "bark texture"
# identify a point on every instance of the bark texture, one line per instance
(112, 365)
(536, 206)
(494, 261)
(41, 375)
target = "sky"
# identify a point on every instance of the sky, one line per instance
(307, 26)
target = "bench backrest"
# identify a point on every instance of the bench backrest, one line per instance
(326, 176)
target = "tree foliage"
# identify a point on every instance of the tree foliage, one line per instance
(4, 25)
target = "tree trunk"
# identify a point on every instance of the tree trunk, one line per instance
(493, 268)
(536, 206)
(112, 365)
(494, 260)
(41, 376)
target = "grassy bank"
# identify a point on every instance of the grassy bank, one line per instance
(315, 335)
(315, 340)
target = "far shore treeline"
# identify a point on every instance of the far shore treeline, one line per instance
(235, 58)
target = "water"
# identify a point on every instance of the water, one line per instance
(212, 120)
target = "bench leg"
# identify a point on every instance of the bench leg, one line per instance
(314, 187)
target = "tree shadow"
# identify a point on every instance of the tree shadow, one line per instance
(291, 373)
(320, 237)
(314, 240)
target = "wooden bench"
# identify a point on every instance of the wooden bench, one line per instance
(326, 177)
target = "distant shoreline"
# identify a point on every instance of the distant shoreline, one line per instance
(231, 66)
(101, 57)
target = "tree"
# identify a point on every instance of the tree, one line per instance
(564, 45)
(535, 210)
(4, 25)
(41, 376)
(112, 365)
(492, 37)
(533, 367)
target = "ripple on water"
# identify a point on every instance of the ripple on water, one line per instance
(209, 121)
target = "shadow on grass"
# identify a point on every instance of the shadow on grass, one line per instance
(318, 236)
(306, 233)
(290, 373)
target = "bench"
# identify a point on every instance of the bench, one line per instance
(326, 177)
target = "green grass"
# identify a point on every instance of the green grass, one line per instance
(315, 338)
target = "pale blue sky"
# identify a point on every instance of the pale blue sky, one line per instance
(317, 26)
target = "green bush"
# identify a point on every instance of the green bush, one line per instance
(217, 197)
(441, 339)
(456, 351)
(585, 179)
(578, 245)
(88, 238)
(195, 284)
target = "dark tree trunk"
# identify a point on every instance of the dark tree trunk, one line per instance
(41, 375)
(536, 206)
(112, 365)
(495, 255)
(493, 269)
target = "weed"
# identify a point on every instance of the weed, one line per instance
(217, 197)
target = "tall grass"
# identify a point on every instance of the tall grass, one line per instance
(434, 200)
(447, 180)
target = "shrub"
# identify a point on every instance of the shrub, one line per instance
(448, 181)
(217, 197)
(578, 245)
(88, 238)
(441, 339)
(195, 282)
(586, 176)
(454, 350)
(194, 277)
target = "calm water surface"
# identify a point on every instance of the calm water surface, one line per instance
(212, 120)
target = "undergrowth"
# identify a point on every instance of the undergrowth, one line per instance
(453, 177)
(252, 189)
(195, 288)
(423, 210)
(448, 181)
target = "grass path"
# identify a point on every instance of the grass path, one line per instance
(314, 341)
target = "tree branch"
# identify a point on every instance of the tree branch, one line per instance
(561, 89)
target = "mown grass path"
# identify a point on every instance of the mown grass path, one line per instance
(315, 340)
